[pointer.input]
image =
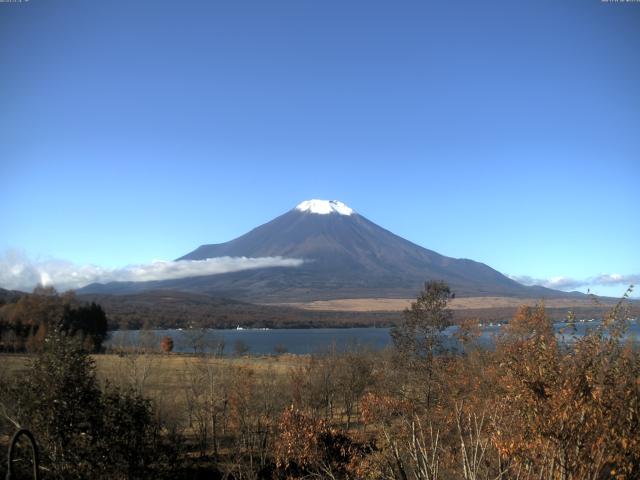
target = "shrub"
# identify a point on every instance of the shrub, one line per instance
(82, 432)
(127, 434)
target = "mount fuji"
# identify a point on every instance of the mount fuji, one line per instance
(344, 255)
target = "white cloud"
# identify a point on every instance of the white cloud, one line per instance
(568, 284)
(18, 272)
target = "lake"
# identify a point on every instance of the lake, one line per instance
(305, 341)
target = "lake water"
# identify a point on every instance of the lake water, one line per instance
(305, 341)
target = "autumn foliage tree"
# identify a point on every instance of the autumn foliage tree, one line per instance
(166, 344)
(310, 448)
(532, 405)
(569, 411)
(25, 323)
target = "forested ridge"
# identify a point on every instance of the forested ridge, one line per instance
(171, 309)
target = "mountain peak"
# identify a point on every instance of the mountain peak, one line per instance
(324, 207)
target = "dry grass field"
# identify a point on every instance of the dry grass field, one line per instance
(158, 374)
(175, 363)
(399, 304)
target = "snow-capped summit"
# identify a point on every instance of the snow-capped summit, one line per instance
(324, 207)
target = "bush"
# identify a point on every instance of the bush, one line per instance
(82, 432)
(59, 400)
(126, 439)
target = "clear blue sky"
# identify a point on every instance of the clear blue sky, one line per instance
(506, 132)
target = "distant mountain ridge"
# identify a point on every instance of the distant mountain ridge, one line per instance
(10, 296)
(345, 256)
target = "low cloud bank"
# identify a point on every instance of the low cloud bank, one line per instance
(568, 284)
(18, 272)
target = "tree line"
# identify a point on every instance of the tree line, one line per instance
(26, 322)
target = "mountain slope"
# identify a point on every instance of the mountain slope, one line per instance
(345, 256)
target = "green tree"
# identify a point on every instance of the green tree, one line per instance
(127, 439)
(418, 334)
(87, 321)
(82, 432)
(59, 400)
(417, 338)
